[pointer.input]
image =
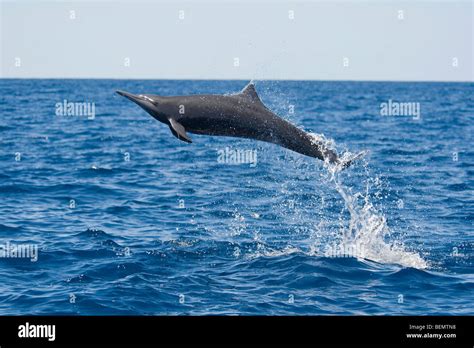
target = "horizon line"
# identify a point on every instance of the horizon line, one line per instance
(230, 79)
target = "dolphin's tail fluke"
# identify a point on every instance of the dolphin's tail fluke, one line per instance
(346, 160)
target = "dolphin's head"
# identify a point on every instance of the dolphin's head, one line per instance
(150, 104)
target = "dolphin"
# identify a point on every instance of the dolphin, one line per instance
(237, 115)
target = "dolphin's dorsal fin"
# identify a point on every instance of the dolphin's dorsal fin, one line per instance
(250, 92)
(178, 131)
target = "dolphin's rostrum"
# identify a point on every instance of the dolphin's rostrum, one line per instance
(238, 115)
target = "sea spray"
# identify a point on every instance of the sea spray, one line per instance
(365, 235)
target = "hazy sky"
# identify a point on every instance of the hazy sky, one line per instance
(261, 39)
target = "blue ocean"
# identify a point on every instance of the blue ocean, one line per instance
(107, 213)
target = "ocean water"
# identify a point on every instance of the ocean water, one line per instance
(126, 219)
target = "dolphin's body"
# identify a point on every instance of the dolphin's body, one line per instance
(238, 115)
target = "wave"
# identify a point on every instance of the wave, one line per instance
(94, 233)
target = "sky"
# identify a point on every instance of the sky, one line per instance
(231, 39)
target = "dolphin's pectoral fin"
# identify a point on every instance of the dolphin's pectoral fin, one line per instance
(178, 131)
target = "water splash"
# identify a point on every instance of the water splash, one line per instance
(367, 234)
(320, 139)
